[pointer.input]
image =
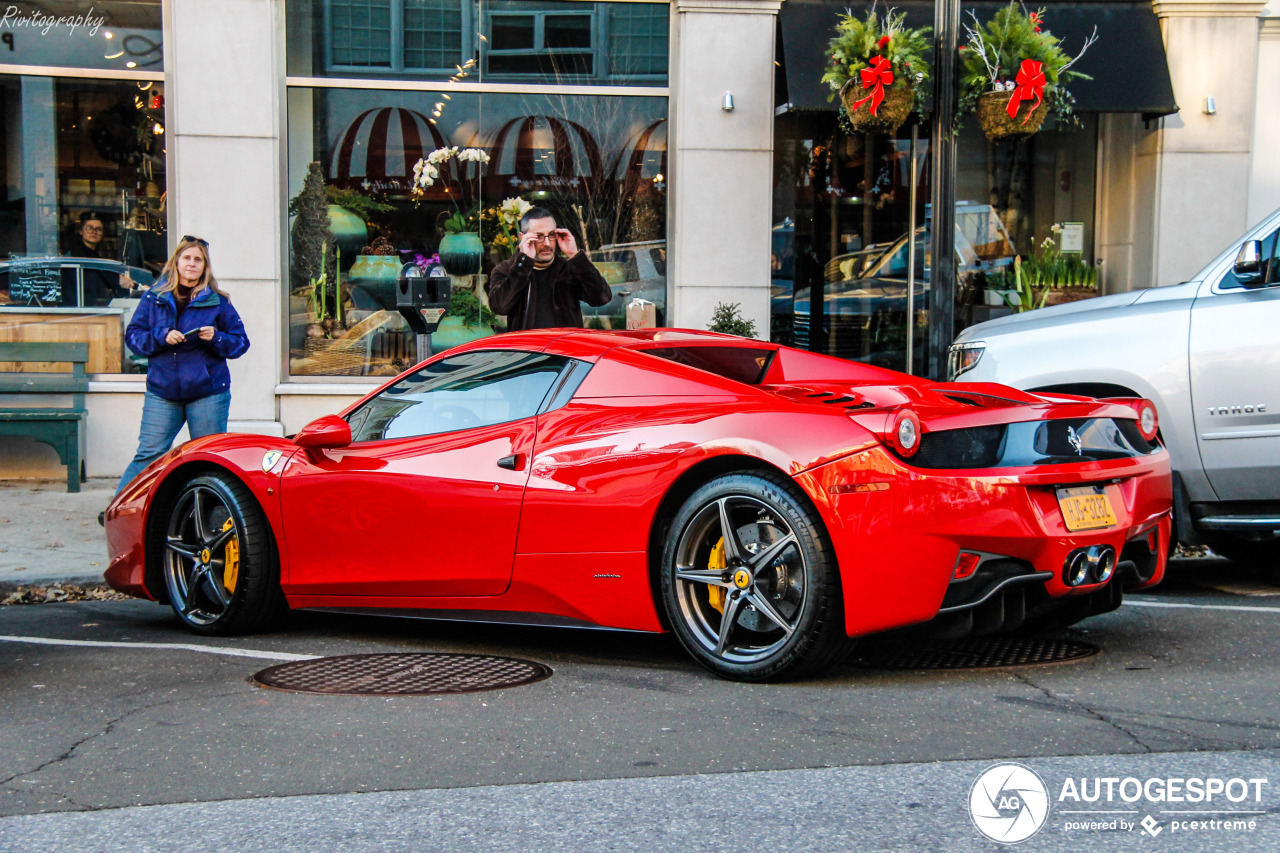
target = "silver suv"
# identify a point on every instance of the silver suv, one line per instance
(1206, 351)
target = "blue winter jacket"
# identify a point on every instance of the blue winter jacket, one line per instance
(194, 368)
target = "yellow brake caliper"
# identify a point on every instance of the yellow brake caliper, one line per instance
(231, 565)
(716, 563)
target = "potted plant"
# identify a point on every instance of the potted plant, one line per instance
(727, 319)
(876, 65)
(1013, 72)
(460, 248)
(1050, 277)
(500, 225)
(467, 320)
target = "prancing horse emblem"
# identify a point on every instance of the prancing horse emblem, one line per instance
(270, 458)
(1073, 438)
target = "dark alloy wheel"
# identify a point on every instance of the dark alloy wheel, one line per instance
(219, 561)
(749, 581)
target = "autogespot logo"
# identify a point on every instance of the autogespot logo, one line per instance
(1009, 803)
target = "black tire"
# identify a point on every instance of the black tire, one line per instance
(219, 564)
(779, 583)
(1259, 553)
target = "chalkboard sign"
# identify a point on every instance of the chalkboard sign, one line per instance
(35, 281)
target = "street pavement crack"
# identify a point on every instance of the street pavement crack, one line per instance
(1092, 712)
(105, 730)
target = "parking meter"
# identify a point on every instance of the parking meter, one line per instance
(423, 299)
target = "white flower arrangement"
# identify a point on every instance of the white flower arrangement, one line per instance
(427, 169)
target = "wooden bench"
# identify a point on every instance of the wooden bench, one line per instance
(60, 427)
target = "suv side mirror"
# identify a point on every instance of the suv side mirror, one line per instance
(1248, 266)
(327, 431)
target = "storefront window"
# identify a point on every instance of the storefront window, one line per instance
(596, 161)
(841, 217)
(82, 226)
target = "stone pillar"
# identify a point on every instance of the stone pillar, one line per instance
(1264, 183)
(223, 63)
(1204, 160)
(721, 161)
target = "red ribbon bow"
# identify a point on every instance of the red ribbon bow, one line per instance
(1030, 84)
(875, 77)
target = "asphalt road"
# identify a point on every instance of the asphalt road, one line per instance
(628, 745)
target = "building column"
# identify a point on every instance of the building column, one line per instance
(224, 65)
(1264, 183)
(721, 160)
(1204, 160)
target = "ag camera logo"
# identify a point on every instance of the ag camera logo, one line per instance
(1009, 803)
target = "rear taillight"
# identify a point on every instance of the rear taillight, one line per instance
(1148, 420)
(1145, 410)
(904, 436)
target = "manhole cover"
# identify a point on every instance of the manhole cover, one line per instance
(402, 674)
(977, 653)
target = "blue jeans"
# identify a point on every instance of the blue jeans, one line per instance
(162, 421)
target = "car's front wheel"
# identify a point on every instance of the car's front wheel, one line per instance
(750, 583)
(219, 560)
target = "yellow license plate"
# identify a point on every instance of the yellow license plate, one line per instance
(1086, 507)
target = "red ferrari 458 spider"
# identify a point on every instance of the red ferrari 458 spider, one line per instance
(765, 504)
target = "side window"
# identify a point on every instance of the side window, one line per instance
(462, 392)
(1271, 270)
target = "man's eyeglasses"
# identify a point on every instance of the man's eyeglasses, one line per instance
(92, 229)
(545, 238)
(187, 238)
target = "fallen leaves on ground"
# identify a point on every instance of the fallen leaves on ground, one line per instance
(58, 592)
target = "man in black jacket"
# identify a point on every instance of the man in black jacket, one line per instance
(541, 286)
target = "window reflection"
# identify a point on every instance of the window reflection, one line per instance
(82, 227)
(532, 41)
(597, 162)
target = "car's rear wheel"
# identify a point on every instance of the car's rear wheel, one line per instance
(1263, 553)
(219, 560)
(750, 583)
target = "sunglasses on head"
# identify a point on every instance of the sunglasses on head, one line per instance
(187, 238)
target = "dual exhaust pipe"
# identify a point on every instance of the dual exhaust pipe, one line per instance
(1095, 564)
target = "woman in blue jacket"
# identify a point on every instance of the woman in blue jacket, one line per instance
(187, 328)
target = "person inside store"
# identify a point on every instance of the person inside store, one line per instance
(100, 286)
(188, 328)
(541, 286)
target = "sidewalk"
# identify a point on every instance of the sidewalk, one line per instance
(48, 534)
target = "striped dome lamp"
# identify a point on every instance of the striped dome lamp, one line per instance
(377, 151)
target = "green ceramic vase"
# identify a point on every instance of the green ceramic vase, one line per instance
(460, 254)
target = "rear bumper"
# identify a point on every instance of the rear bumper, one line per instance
(898, 531)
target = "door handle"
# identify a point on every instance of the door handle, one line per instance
(511, 463)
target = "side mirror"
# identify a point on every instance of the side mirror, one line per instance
(1248, 266)
(328, 431)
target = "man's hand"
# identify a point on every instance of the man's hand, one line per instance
(528, 244)
(206, 333)
(174, 338)
(566, 243)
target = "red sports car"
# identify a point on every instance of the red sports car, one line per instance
(764, 503)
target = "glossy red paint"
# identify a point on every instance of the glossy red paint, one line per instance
(328, 431)
(434, 525)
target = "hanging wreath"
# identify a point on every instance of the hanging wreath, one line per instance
(1014, 72)
(876, 65)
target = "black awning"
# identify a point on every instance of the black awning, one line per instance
(1127, 63)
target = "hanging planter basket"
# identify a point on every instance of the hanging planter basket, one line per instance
(993, 115)
(899, 99)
